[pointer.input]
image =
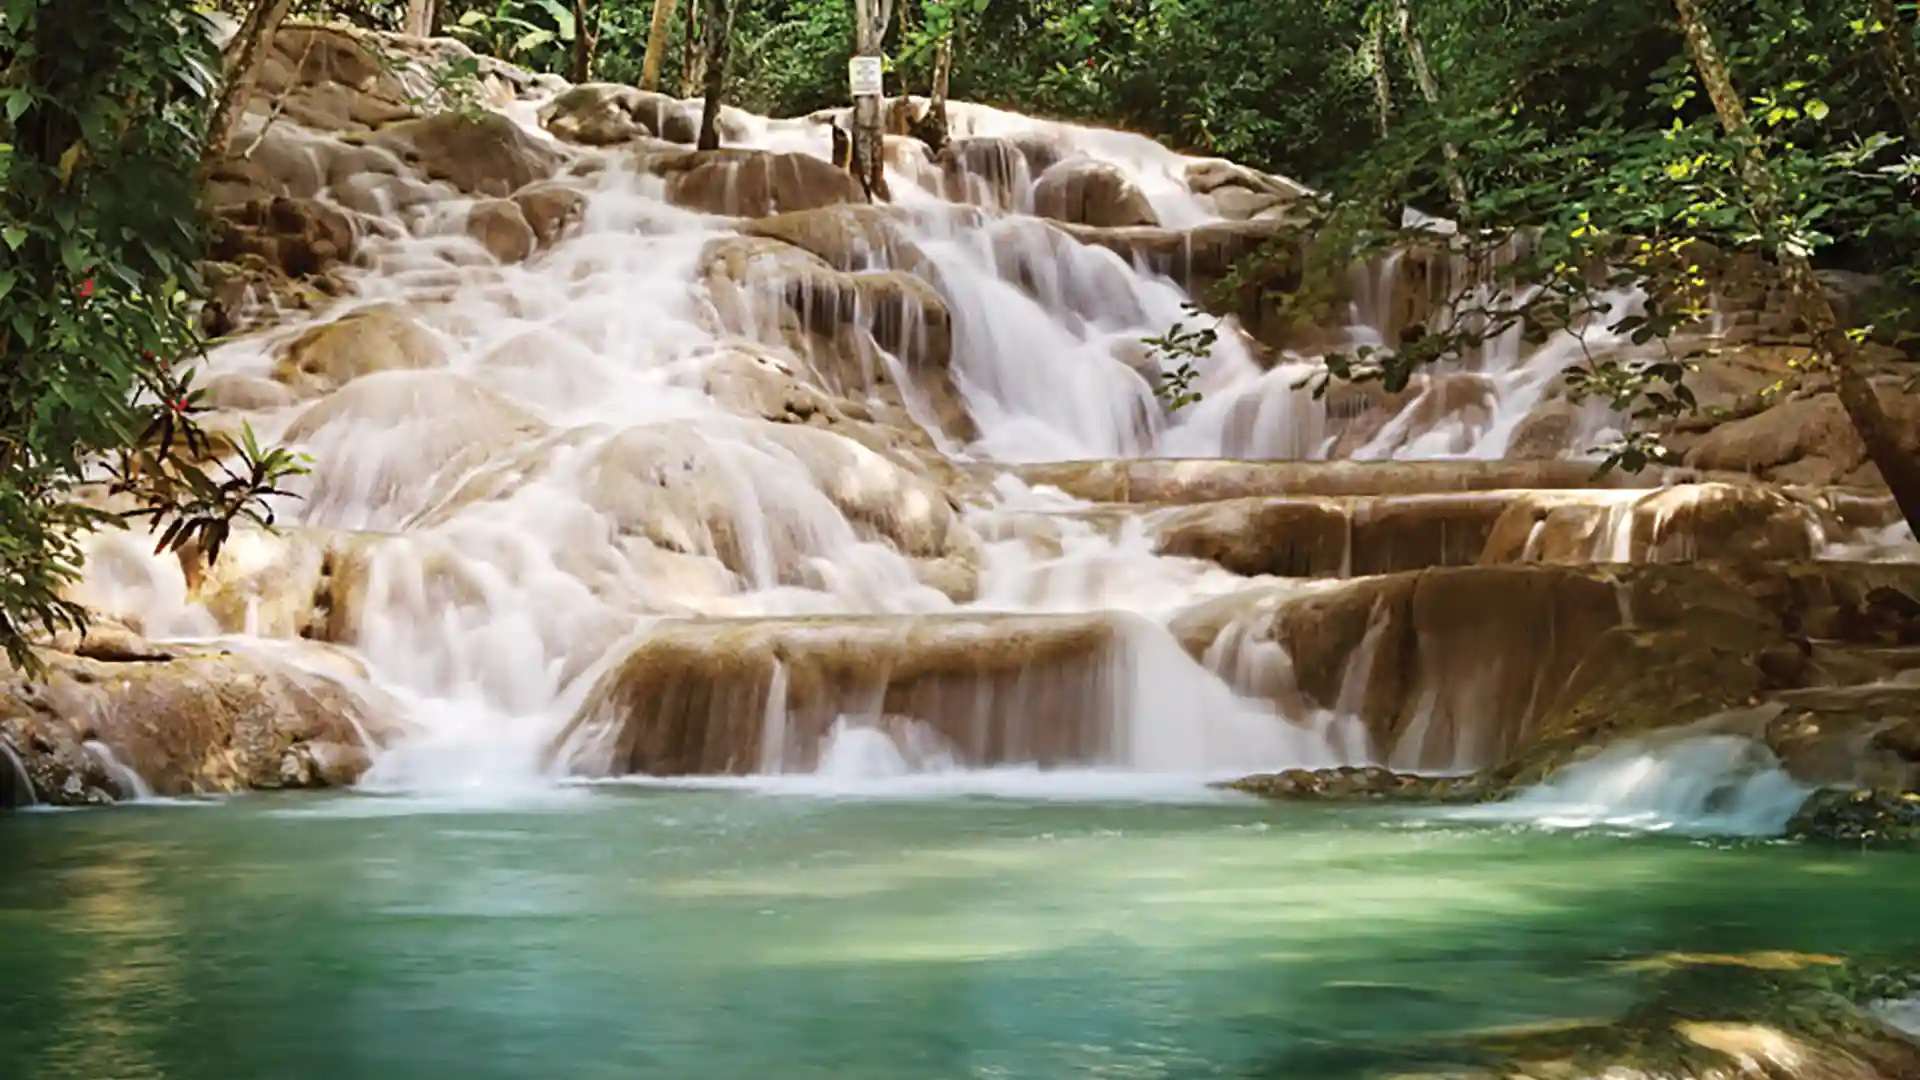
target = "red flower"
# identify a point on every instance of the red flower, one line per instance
(178, 405)
(86, 289)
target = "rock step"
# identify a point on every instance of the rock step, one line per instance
(1357, 535)
(1512, 669)
(1185, 481)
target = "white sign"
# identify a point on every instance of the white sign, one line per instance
(863, 76)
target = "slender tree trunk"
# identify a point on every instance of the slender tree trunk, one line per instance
(937, 98)
(244, 56)
(869, 143)
(657, 44)
(1430, 89)
(693, 53)
(1895, 42)
(1382, 77)
(583, 43)
(1899, 469)
(719, 25)
(421, 15)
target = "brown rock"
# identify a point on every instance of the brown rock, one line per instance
(751, 183)
(499, 226)
(694, 698)
(186, 722)
(550, 210)
(331, 354)
(605, 114)
(1803, 441)
(298, 237)
(837, 320)
(483, 154)
(1089, 192)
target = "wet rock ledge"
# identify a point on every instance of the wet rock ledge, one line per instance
(114, 716)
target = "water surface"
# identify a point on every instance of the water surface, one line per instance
(636, 932)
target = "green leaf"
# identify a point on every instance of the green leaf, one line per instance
(14, 236)
(18, 102)
(1817, 109)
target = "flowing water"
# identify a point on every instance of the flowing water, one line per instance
(581, 473)
(652, 932)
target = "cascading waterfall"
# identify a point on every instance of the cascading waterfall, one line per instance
(1724, 784)
(578, 448)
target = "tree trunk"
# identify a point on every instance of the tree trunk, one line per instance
(1382, 77)
(583, 43)
(869, 144)
(245, 53)
(693, 53)
(1430, 89)
(719, 24)
(657, 44)
(1899, 469)
(420, 17)
(1895, 42)
(931, 128)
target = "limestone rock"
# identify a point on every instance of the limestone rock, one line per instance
(381, 441)
(550, 210)
(606, 114)
(484, 154)
(838, 320)
(331, 354)
(331, 79)
(751, 183)
(991, 170)
(1089, 192)
(761, 499)
(1804, 441)
(1170, 481)
(694, 698)
(298, 237)
(186, 721)
(501, 227)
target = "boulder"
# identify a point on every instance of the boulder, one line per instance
(1859, 819)
(184, 721)
(606, 114)
(551, 210)
(751, 183)
(1089, 192)
(837, 321)
(329, 355)
(1805, 440)
(738, 696)
(297, 237)
(501, 227)
(763, 500)
(1360, 784)
(479, 154)
(329, 78)
(993, 171)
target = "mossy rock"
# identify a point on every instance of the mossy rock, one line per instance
(1864, 818)
(1770, 1015)
(1360, 784)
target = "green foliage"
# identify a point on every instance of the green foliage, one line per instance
(1593, 164)
(1180, 347)
(103, 109)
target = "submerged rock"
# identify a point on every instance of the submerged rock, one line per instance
(1863, 818)
(1361, 784)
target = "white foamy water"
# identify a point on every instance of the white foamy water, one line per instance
(589, 455)
(1699, 784)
